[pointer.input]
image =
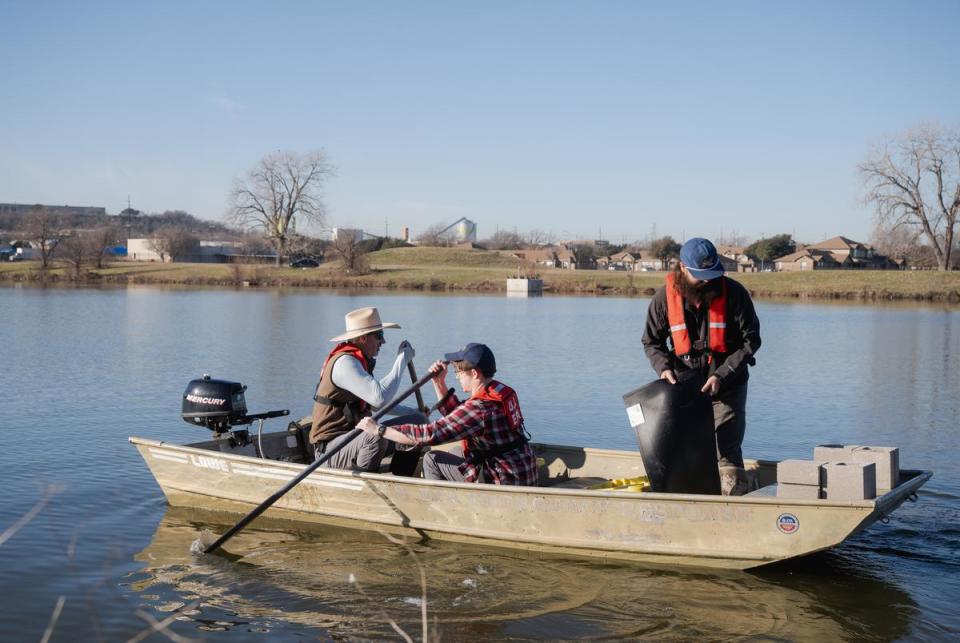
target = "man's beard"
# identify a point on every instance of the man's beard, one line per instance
(705, 291)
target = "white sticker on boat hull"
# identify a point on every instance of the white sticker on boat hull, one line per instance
(635, 414)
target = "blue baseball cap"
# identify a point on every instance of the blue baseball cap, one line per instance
(700, 258)
(478, 356)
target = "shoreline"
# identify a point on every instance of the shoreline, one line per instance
(866, 286)
(466, 271)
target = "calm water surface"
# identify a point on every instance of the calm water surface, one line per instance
(84, 369)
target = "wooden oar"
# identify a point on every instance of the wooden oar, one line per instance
(263, 506)
(413, 378)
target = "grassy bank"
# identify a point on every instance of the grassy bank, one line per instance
(449, 269)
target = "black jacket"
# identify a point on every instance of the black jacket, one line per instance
(742, 337)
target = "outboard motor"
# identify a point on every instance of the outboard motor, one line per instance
(220, 405)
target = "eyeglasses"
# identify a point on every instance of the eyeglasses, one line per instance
(379, 336)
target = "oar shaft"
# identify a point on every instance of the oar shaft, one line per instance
(263, 506)
(413, 378)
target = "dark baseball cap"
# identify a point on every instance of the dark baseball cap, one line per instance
(700, 258)
(477, 356)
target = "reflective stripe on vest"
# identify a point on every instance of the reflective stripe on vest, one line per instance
(716, 320)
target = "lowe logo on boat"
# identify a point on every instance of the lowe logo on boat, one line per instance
(788, 523)
(209, 463)
(197, 399)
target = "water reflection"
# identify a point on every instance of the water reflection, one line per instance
(280, 578)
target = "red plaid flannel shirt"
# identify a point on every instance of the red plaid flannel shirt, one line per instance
(484, 426)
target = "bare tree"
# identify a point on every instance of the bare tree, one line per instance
(281, 189)
(665, 248)
(102, 239)
(436, 235)
(352, 253)
(299, 245)
(585, 254)
(44, 231)
(536, 238)
(504, 240)
(914, 182)
(160, 245)
(77, 249)
(256, 245)
(173, 242)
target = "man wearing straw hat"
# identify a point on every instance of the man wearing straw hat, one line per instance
(347, 391)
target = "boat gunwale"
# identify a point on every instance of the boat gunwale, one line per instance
(894, 497)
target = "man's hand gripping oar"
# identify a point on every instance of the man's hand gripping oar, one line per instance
(263, 506)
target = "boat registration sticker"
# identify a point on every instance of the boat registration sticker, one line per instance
(635, 413)
(788, 523)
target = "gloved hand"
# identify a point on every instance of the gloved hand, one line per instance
(406, 350)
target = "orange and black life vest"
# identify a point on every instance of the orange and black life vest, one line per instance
(495, 391)
(354, 351)
(337, 410)
(716, 320)
(507, 398)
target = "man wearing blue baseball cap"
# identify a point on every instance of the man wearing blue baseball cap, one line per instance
(702, 324)
(494, 446)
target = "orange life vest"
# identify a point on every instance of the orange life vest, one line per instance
(507, 398)
(716, 320)
(346, 347)
(353, 351)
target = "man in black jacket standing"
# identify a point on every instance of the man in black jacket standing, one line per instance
(702, 324)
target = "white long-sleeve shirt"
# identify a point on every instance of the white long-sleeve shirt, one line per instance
(348, 373)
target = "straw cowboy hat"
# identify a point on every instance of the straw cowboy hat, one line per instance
(362, 321)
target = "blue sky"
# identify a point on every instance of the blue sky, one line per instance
(577, 118)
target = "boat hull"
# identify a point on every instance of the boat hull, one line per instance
(711, 531)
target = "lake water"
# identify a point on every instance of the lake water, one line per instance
(84, 369)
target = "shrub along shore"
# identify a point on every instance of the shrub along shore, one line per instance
(456, 270)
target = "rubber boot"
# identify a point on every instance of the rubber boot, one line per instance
(733, 481)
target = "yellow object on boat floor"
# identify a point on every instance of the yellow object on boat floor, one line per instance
(638, 485)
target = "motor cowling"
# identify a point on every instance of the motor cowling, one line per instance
(220, 405)
(215, 404)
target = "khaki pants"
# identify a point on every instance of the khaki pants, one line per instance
(364, 452)
(445, 465)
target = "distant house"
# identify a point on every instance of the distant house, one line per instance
(561, 256)
(649, 261)
(631, 260)
(568, 258)
(625, 260)
(742, 263)
(804, 260)
(850, 254)
(538, 256)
